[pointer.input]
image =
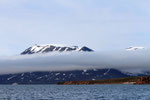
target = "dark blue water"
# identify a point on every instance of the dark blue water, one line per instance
(75, 92)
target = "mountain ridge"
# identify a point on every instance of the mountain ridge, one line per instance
(54, 48)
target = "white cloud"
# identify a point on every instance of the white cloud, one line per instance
(134, 62)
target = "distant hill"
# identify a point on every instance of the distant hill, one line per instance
(53, 77)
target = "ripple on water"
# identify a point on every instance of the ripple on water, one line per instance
(75, 92)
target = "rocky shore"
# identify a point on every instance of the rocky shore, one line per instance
(143, 80)
(128, 80)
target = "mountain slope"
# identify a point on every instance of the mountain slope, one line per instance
(54, 77)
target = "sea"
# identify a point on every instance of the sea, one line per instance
(75, 92)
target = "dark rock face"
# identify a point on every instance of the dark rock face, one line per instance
(86, 49)
(60, 76)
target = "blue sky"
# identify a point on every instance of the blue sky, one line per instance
(98, 24)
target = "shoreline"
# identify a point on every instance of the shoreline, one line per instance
(127, 80)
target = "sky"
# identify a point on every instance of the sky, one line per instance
(99, 24)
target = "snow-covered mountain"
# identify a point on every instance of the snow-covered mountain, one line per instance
(53, 77)
(134, 48)
(54, 48)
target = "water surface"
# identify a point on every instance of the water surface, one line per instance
(75, 92)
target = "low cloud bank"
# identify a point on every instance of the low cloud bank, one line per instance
(127, 61)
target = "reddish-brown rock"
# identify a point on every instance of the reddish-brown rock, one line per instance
(128, 80)
(143, 80)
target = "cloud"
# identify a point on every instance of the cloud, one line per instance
(134, 62)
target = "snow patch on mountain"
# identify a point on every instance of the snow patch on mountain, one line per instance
(54, 48)
(134, 48)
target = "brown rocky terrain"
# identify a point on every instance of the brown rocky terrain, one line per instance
(143, 80)
(128, 80)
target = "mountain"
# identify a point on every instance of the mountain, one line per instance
(53, 77)
(134, 48)
(54, 48)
